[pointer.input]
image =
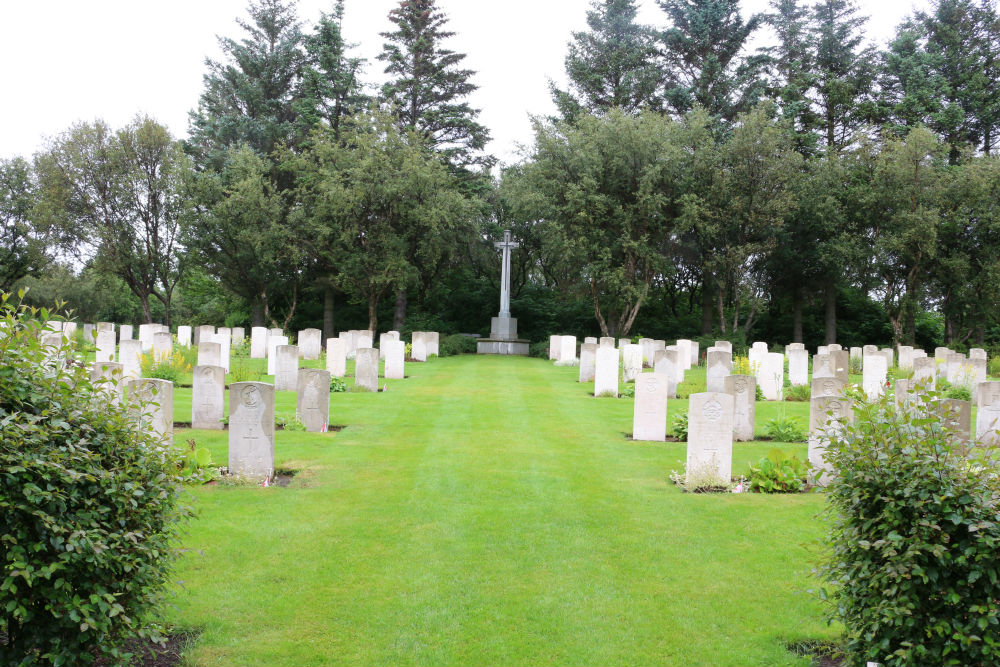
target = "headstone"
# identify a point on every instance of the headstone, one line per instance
(841, 364)
(772, 376)
(225, 340)
(719, 365)
(631, 362)
(90, 332)
(684, 353)
(383, 340)
(310, 343)
(239, 335)
(710, 436)
(977, 371)
(826, 387)
(251, 430)
(258, 342)
(286, 368)
(647, 351)
(418, 346)
(350, 342)
(203, 333)
(795, 346)
(163, 346)
(124, 331)
(313, 399)
(366, 368)
(956, 373)
(823, 366)
(567, 350)
(208, 395)
(834, 347)
(857, 353)
(209, 354)
(823, 349)
(606, 372)
(184, 335)
(868, 350)
(272, 344)
(902, 392)
(105, 345)
(129, 352)
(276, 331)
(607, 341)
(649, 412)
(157, 413)
(106, 378)
(919, 354)
(366, 339)
(977, 353)
(590, 339)
(798, 367)
(667, 362)
(69, 330)
(827, 415)
(889, 356)
(905, 356)
(724, 345)
(695, 352)
(105, 326)
(588, 362)
(874, 375)
(432, 339)
(924, 373)
(743, 389)
(958, 415)
(756, 357)
(941, 362)
(555, 347)
(395, 353)
(336, 356)
(988, 413)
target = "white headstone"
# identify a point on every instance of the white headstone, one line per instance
(163, 346)
(694, 349)
(827, 414)
(905, 356)
(286, 368)
(823, 366)
(272, 344)
(251, 430)
(772, 376)
(567, 350)
(684, 353)
(710, 436)
(606, 372)
(607, 341)
(588, 362)
(203, 333)
(184, 335)
(719, 366)
(336, 357)
(743, 389)
(258, 342)
(874, 375)
(105, 345)
(312, 399)
(208, 396)
(129, 355)
(649, 413)
(209, 354)
(724, 345)
(225, 340)
(366, 368)
(124, 331)
(555, 347)
(418, 346)
(432, 340)
(395, 353)
(631, 362)
(798, 367)
(988, 413)
(310, 343)
(239, 335)
(106, 378)
(157, 411)
(924, 373)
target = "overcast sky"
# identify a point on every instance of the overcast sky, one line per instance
(71, 60)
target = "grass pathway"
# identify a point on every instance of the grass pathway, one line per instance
(489, 511)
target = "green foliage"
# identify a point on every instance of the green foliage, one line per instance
(994, 366)
(242, 369)
(799, 392)
(758, 393)
(289, 423)
(456, 344)
(196, 463)
(90, 505)
(960, 392)
(779, 473)
(914, 541)
(785, 429)
(855, 366)
(627, 391)
(337, 385)
(172, 368)
(742, 366)
(539, 349)
(679, 426)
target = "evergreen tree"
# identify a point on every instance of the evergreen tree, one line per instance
(844, 71)
(428, 89)
(703, 50)
(614, 64)
(792, 66)
(249, 97)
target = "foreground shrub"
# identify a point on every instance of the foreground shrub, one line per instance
(539, 349)
(89, 505)
(457, 344)
(914, 542)
(785, 429)
(798, 392)
(779, 473)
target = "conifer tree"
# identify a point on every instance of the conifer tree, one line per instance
(792, 69)
(613, 64)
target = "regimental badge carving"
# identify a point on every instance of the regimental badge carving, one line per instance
(250, 397)
(830, 387)
(652, 387)
(712, 411)
(740, 386)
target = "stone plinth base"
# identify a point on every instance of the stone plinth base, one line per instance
(505, 347)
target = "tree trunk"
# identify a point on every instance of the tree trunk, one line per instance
(373, 312)
(707, 306)
(797, 315)
(257, 318)
(399, 318)
(981, 335)
(722, 312)
(146, 312)
(830, 296)
(328, 312)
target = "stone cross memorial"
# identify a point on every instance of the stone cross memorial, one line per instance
(503, 328)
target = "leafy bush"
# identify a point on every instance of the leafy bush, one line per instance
(758, 394)
(855, 366)
(960, 392)
(798, 392)
(679, 427)
(914, 539)
(785, 429)
(289, 422)
(742, 366)
(90, 508)
(779, 473)
(171, 368)
(457, 344)
(337, 385)
(898, 372)
(540, 349)
(196, 463)
(702, 478)
(241, 370)
(994, 366)
(628, 391)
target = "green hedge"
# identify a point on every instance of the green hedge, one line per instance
(89, 504)
(456, 344)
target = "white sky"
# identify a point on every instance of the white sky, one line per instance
(71, 60)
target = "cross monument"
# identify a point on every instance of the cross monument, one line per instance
(503, 328)
(506, 246)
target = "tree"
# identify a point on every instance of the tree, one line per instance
(614, 64)
(702, 50)
(427, 92)
(25, 246)
(605, 187)
(793, 74)
(125, 194)
(249, 98)
(366, 200)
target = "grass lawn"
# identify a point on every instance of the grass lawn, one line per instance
(488, 510)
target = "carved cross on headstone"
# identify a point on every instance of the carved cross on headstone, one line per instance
(506, 246)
